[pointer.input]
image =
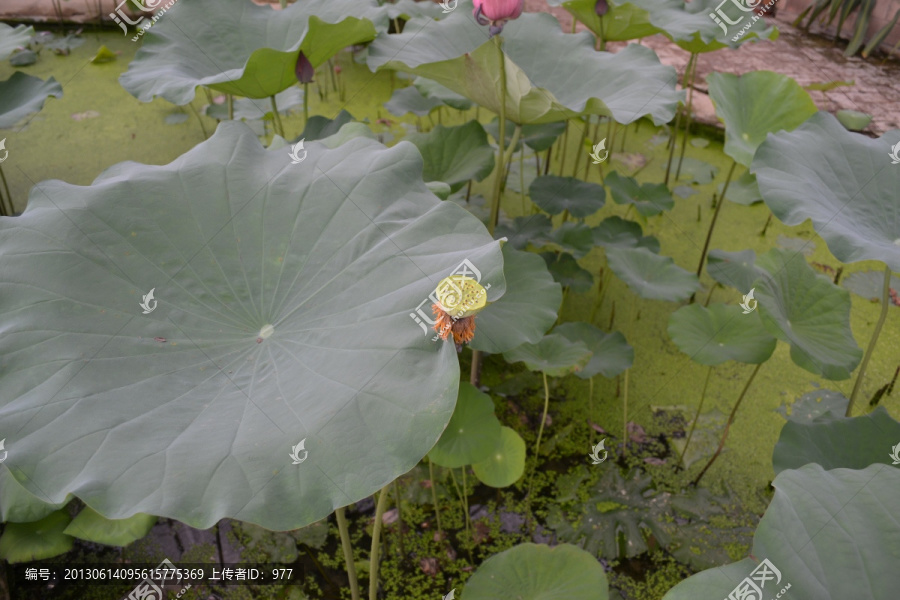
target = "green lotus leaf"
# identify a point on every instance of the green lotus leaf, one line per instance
(611, 353)
(623, 21)
(754, 105)
(650, 275)
(250, 109)
(527, 309)
(616, 232)
(281, 314)
(506, 463)
(434, 90)
(817, 405)
(711, 336)
(869, 284)
(852, 203)
(697, 171)
(808, 311)
(853, 120)
(22, 94)
(542, 86)
(472, 432)
(742, 190)
(575, 238)
(455, 155)
(439, 189)
(554, 194)
(701, 41)
(410, 100)
(525, 229)
(829, 534)
(319, 127)
(567, 272)
(538, 572)
(649, 198)
(838, 443)
(407, 9)
(555, 355)
(13, 38)
(734, 269)
(92, 526)
(241, 48)
(537, 137)
(26, 542)
(19, 505)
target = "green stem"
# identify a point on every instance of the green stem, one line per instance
(437, 508)
(283, 4)
(376, 543)
(728, 425)
(199, 120)
(696, 416)
(9, 200)
(305, 104)
(399, 518)
(564, 142)
(625, 416)
(687, 127)
(230, 107)
(348, 552)
(522, 174)
(712, 223)
(476, 367)
(501, 154)
(462, 500)
(591, 408)
(537, 445)
(277, 121)
(885, 302)
(672, 146)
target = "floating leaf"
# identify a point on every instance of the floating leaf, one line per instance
(611, 353)
(455, 155)
(23, 58)
(869, 284)
(175, 118)
(711, 336)
(649, 198)
(616, 232)
(92, 526)
(410, 100)
(851, 202)
(555, 194)
(506, 463)
(743, 190)
(567, 272)
(697, 170)
(650, 275)
(536, 572)
(22, 94)
(809, 312)
(104, 55)
(12, 38)
(472, 432)
(258, 293)
(818, 404)
(575, 238)
(555, 355)
(734, 269)
(525, 229)
(804, 247)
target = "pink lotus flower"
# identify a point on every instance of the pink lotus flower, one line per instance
(497, 12)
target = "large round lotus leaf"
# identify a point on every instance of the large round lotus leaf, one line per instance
(539, 572)
(734, 269)
(280, 315)
(435, 91)
(527, 309)
(537, 137)
(26, 542)
(406, 9)
(472, 432)
(616, 232)
(711, 336)
(542, 86)
(649, 199)
(10, 38)
(754, 105)
(842, 443)
(455, 155)
(870, 285)
(651, 275)
(808, 311)
(831, 535)
(623, 21)
(701, 41)
(240, 48)
(572, 237)
(742, 190)
(92, 526)
(22, 94)
(525, 229)
(567, 272)
(555, 355)
(612, 354)
(410, 100)
(554, 194)
(19, 505)
(852, 202)
(506, 462)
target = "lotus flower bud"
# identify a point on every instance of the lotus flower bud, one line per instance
(497, 12)
(601, 8)
(304, 69)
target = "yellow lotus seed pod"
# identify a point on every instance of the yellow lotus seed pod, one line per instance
(460, 296)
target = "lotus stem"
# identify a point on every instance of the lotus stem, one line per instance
(591, 408)
(230, 98)
(462, 499)
(305, 104)
(715, 216)
(283, 4)
(728, 425)
(376, 542)
(579, 152)
(624, 138)
(687, 127)
(348, 552)
(885, 303)
(696, 416)
(522, 174)
(495, 201)
(564, 142)
(625, 416)
(9, 200)
(547, 160)
(434, 499)
(671, 146)
(537, 445)
(399, 517)
(279, 128)
(199, 120)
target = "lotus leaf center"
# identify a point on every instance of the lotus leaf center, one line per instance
(266, 331)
